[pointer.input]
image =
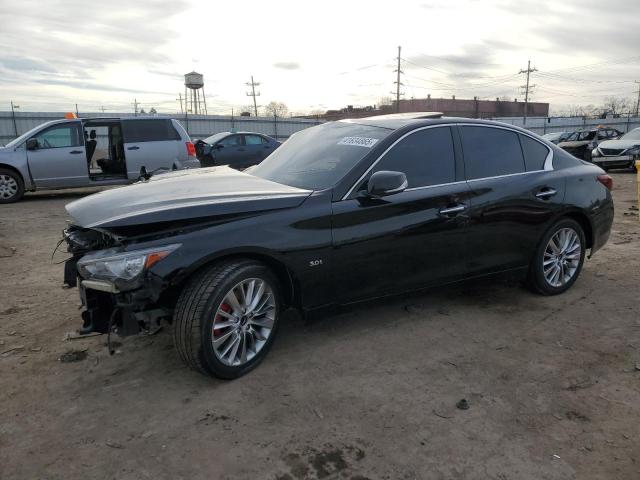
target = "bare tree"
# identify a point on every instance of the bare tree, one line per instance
(616, 105)
(385, 101)
(276, 109)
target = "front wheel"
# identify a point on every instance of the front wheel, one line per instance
(227, 317)
(558, 259)
(11, 186)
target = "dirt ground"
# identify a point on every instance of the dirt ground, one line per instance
(552, 384)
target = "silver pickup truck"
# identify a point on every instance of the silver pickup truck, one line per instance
(86, 152)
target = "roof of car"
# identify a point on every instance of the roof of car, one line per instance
(396, 121)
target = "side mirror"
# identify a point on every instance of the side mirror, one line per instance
(218, 146)
(32, 144)
(384, 183)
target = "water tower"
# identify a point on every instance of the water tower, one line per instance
(195, 101)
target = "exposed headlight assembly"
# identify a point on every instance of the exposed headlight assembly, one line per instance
(124, 269)
(634, 150)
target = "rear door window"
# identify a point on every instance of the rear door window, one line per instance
(535, 153)
(491, 152)
(148, 130)
(426, 157)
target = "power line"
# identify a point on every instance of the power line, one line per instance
(528, 71)
(253, 94)
(598, 64)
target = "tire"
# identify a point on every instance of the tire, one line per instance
(201, 306)
(11, 186)
(568, 272)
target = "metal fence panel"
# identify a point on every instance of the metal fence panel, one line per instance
(198, 126)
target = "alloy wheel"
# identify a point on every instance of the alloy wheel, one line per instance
(8, 187)
(243, 322)
(561, 257)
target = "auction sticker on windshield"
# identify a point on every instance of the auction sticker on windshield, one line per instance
(358, 141)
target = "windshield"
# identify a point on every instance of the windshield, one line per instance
(318, 157)
(581, 136)
(216, 137)
(632, 135)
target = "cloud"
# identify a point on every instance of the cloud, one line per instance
(287, 65)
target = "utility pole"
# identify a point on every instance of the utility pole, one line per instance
(77, 114)
(102, 108)
(398, 83)
(135, 107)
(13, 116)
(180, 100)
(638, 102)
(527, 87)
(253, 94)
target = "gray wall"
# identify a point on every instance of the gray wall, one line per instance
(198, 126)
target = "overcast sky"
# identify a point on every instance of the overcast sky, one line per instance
(312, 56)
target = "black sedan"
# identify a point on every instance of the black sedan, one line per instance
(238, 149)
(342, 212)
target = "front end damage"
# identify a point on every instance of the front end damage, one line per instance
(117, 291)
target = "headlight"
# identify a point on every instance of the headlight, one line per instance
(634, 150)
(123, 268)
(595, 152)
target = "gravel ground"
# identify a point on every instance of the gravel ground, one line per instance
(552, 384)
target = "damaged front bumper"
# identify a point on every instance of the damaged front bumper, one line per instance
(123, 313)
(122, 307)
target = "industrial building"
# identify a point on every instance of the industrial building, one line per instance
(454, 107)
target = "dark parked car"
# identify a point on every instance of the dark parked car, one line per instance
(556, 137)
(238, 150)
(581, 143)
(342, 212)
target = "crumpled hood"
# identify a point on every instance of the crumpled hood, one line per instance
(619, 144)
(183, 195)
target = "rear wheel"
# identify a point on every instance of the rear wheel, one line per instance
(227, 317)
(558, 259)
(11, 186)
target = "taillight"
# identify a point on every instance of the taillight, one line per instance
(191, 149)
(606, 180)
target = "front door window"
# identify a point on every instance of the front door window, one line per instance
(60, 136)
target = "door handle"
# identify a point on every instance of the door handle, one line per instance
(133, 148)
(455, 209)
(546, 193)
(75, 152)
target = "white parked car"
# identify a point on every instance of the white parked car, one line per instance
(620, 153)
